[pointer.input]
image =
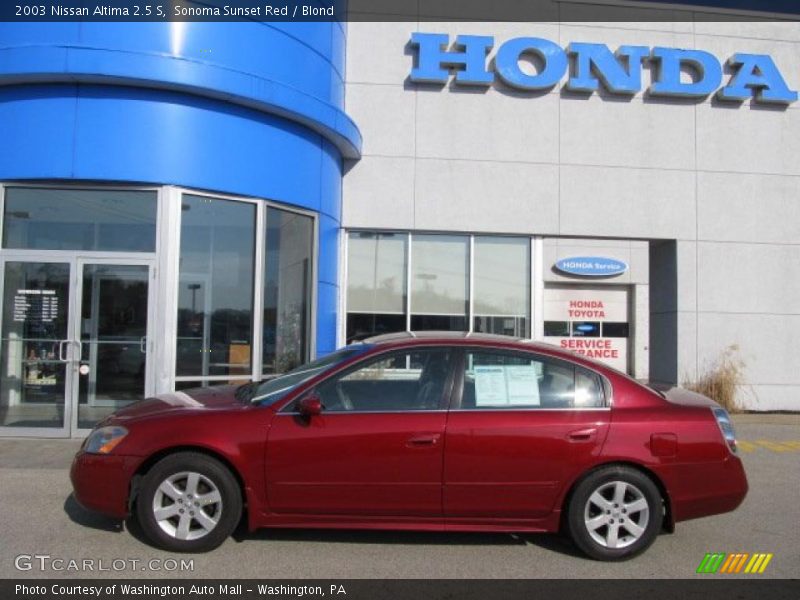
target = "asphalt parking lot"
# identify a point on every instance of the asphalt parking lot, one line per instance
(40, 518)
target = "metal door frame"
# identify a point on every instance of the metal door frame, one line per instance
(123, 260)
(27, 256)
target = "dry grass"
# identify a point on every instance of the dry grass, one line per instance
(722, 380)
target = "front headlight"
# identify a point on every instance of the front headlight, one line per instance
(104, 440)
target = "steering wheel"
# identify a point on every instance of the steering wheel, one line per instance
(344, 399)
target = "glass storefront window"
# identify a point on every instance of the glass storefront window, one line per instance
(556, 328)
(439, 282)
(215, 290)
(501, 285)
(364, 325)
(585, 329)
(195, 384)
(79, 219)
(376, 284)
(79, 333)
(616, 330)
(288, 259)
(379, 290)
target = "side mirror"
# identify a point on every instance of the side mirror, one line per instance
(310, 406)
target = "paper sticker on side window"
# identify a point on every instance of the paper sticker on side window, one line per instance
(509, 385)
(490, 386)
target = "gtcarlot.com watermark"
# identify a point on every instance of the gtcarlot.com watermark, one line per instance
(46, 562)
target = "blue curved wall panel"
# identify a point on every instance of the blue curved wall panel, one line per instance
(249, 108)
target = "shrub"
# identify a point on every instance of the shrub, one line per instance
(722, 379)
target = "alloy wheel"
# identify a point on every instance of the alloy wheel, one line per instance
(616, 514)
(187, 505)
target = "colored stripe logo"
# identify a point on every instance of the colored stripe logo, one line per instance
(737, 562)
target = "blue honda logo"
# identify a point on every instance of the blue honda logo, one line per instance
(593, 65)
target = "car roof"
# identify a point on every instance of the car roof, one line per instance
(464, 338)
(447, 336)
(461, 338)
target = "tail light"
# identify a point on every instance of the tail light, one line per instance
(726, 427)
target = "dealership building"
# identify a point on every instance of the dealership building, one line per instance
(193, 204)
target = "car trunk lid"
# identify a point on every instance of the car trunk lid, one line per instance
(681, 396)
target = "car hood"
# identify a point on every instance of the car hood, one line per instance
(218, 397)
(682, 396)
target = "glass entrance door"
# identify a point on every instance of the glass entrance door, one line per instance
(35, 347)
(75, 342)
(112, 340)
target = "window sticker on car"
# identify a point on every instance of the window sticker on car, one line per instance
(523, 385)
(490, 386)
(509, 385)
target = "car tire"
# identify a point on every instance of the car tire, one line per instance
(615, 513)
(188, 502)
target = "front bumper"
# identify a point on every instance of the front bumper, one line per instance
(101, 482)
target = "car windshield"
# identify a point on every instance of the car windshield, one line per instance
(272, 390)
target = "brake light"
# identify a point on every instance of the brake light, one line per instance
(726, 427)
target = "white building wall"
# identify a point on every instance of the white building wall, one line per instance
(723, 181)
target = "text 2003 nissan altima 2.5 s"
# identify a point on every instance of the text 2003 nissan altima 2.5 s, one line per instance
(427, 432)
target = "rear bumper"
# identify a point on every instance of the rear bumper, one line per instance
(101, 482)
(710, 489)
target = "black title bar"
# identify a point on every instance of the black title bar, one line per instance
(390, 10)
(728, 588)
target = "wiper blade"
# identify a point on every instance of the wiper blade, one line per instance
(245, 391)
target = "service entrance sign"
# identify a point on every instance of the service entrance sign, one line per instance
(591, 320)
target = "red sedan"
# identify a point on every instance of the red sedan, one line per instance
(428, 432)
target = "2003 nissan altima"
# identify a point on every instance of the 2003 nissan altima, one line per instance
(427, 432)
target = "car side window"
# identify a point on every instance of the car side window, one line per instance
(505, 380)
(401, 381)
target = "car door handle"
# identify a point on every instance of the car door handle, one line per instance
(423, 440)
(582, 435)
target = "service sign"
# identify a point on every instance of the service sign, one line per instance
(586, 319)
(591, 266)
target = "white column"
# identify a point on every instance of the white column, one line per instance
(537, 288)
